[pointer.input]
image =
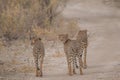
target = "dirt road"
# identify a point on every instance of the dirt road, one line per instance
(103, 58)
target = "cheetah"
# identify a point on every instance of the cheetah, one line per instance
(38, 54)
(73, 49)
(83, 37)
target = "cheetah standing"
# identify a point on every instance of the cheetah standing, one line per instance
(83, 37)
(73, 49)
(38, 53)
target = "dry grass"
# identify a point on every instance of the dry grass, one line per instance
(17, 17)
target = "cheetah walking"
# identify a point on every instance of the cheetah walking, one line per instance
(83, 37)
(73, 49)
(38, 53)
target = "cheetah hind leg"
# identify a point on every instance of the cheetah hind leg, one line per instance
(36, 73)
(40, 70)
(80, 64)
(77, 64)
(70, 69)
(39, 73)
(37, 68)
(85, 54)
(74, 65)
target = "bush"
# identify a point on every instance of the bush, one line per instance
(18, 16)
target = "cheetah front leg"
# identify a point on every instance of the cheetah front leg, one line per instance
(70, 63)
(70, 68)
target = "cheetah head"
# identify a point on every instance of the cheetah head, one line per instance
(63, 37)
(34, 39)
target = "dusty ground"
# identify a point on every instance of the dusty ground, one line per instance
(103, 56)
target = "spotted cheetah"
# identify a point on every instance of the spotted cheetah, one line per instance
(83, 37)
(38, 53)
(73, 49)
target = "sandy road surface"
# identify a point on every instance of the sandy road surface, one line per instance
(103, 24)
